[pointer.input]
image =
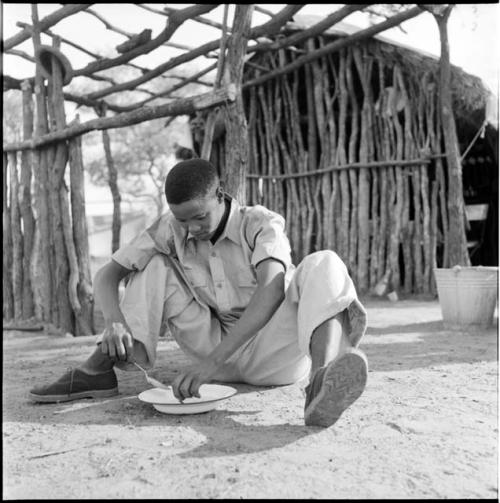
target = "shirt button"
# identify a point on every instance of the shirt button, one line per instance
(214, 254)
(219, 285)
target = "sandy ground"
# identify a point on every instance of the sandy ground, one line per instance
(426, 426)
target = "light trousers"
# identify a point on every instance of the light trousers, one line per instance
(156, 299)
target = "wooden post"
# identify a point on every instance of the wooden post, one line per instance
(8, 298)
(341, 158)
(457, 250)
(25, 202)
(65, 286)
(213, 115)
(236, 125)
(113, 186)
(17, 237)
(41, 264)
(364, 66)
(85, 321)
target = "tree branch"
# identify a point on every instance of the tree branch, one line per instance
(173, 23)
(269, 27)
(184, 106)
(199, 19)
(128, 34)
(185, 82)
(312, 31)
(46, 22)
(336, 45)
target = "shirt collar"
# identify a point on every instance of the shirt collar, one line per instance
(233, 224)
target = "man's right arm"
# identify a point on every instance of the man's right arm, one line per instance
(117, 339)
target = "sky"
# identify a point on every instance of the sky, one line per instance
(473, 34)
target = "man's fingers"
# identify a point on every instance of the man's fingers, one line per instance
(175, 387)
(111, 350)
(187, 385)
(120, 350)
(195, 388)
(181, 387)
(129, 346)
(184, 387)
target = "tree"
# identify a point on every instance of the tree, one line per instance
(142, 154)
(12, 118)
(137, 158)
(457, 251)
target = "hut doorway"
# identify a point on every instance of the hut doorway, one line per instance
(480, 182)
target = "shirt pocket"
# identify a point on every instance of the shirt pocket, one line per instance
(196, 276)
(245, 277)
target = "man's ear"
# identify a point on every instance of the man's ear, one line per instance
(219, 193)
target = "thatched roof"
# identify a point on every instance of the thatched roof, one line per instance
(470, 94)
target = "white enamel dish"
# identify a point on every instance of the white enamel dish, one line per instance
(163, 400)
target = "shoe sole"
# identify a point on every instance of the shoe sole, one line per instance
(343, 383)
(104, 393)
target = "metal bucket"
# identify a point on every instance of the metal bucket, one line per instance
(467, 295)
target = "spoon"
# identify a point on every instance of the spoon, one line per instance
(151, 380)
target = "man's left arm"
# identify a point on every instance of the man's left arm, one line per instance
(266, 299)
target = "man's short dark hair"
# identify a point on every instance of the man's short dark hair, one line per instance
(184, 153)
(189, 180)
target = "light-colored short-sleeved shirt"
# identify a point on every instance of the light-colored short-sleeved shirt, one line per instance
(222, 275)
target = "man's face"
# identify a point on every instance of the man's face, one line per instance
(200, 216)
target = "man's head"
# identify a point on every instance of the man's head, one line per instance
(194, 196)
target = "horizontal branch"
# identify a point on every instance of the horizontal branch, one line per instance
(82, 49)
(185, 106)
(173, 23)
(312, 31)
(336, 46)
(199, 19)
(185, 82)
(46, 22)
(269, 27)
(21, 54)
(354, 165)
(12, 83)
(128, 34)
(94, 55)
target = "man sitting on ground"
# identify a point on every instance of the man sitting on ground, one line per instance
(219, 276)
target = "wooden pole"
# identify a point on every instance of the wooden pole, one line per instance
(17, 237)
(353, 175)
(185, 106)
(8, 297)
(25, 202)
(84, 321)
(66, 270)
(113, 187)
(234, 116)
(341, 158)
(364, 67)
(214, 114)
(457, 251)
(311, 32)
(42, 266)
(337, 45)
